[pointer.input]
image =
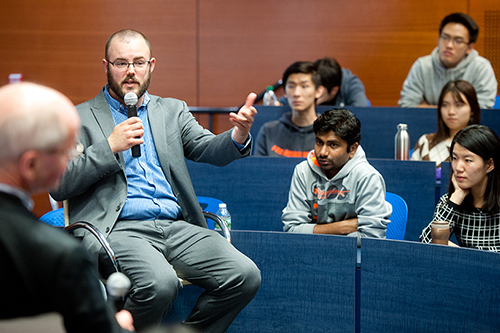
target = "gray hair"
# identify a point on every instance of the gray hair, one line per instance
(30, 119)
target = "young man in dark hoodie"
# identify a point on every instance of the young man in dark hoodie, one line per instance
(292, 135)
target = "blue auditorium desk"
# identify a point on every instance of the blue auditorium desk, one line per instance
(310, 283)
(415, 287)
(256, 189)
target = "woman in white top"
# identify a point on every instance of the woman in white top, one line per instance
(457, 108)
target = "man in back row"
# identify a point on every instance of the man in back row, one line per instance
(336, 191)
(454, 58)
(292, 135)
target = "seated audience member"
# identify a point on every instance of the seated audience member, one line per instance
(454, 58)
(457, 108)
(472, 204)
(336, 190)
(146, 205)
(43, 270)
(342, 87)
(292, 134)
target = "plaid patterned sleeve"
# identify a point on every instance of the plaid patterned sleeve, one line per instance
(472, 227)
(425, 237)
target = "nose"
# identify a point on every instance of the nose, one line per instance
(459, 166)
(323, 151)
(452, 110)
(130, 68)
(296, 91)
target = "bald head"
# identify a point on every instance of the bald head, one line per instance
(34, 119)
(125, 36)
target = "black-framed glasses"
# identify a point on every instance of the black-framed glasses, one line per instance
(456, 41)
(122, 64)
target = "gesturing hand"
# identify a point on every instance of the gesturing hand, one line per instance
(126, 135)
(243, 120)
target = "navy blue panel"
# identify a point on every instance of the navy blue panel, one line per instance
(379, 124)
(308, 282)
(415, 287)
(415, 182)
(255, 189)
(445, 177)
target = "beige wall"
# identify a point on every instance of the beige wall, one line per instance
(212, 53)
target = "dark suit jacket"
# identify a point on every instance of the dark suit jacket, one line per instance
(44, 270)
(95, 183)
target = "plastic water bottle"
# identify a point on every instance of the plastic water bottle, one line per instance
(402, 143)
(270, 98)
(223, 213)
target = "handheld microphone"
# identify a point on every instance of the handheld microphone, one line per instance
(117, 285)
(131, 101)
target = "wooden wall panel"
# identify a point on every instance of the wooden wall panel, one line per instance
(61, 43)
(212, 53)
(247, 45)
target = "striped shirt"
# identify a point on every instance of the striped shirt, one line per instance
(472, 227)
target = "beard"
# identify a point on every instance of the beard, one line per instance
(117, 87)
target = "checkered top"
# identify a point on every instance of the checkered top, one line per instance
(472, 227)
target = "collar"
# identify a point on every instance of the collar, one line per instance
(23, 195)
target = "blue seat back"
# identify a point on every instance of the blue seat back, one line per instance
(54, 218)
(397, 228)
(497, 102)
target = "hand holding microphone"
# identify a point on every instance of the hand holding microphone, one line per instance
(131, 101)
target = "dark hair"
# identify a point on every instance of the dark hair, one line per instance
(464, 20)
(330, 73)
(342, 122)
(456, 88)
(126, 35)
(304, 67)
(484, 142)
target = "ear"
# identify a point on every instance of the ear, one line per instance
(153, 64)
(353, 149)
(105, 65)
(320, 90)
(334, 91)
(490, 165)
(470, 47)
(27, 166)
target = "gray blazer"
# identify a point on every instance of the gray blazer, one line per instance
(95, 182)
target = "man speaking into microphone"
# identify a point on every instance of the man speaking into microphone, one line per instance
(146, 206)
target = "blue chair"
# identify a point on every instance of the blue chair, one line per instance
(208, 205)
(497, 102)
(54, 218)
(397, 228)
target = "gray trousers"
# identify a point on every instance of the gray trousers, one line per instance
(153, 253)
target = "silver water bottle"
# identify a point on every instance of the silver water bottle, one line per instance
(402, 143)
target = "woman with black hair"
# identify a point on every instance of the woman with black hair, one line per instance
(472, 204)
(457, 108)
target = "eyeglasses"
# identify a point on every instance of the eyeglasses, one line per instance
(456, 41)
(122, 64)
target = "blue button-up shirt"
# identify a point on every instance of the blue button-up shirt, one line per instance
(149, 194)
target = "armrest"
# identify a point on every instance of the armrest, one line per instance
(221, 223)
(99, 236)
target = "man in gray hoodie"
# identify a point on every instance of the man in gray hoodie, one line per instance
(336, 190)
(454, 58)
